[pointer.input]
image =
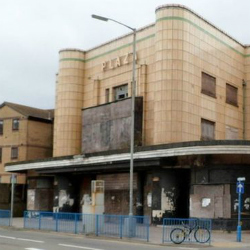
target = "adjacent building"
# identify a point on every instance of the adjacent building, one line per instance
(192, 122)
(25, 134)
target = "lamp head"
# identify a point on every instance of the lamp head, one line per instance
(100, 18)
(241, 179)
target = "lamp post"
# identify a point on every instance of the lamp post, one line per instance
(133, 87)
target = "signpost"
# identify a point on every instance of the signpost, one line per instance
(239, 191)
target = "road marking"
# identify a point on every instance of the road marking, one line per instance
(64, 245)
(14, 238)
(33, 249)
(7, 237)
(37, 241)
(190, 248)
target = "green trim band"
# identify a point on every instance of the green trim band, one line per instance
(108, 52)
(201, 29)
(153, 35)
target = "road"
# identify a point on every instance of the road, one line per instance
(32, 240)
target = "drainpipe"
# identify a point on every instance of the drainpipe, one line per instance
(244, 85)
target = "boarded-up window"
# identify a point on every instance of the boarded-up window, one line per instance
(231, 95)
(232, 133)
(207, 130)
(208, 85)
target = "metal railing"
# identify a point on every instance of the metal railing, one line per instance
(98, 224)
(4, 217)
(187, 230)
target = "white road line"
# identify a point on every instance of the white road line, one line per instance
(64, 245)
(188, 248)
(37, 241)
(7, 237)
(14, 238)
(33, 249)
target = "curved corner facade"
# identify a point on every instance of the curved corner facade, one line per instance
(189, 73)
(69, 103)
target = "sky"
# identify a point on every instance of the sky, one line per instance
(32, 32)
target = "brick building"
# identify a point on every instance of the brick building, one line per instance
(25, 134)
(192, 121)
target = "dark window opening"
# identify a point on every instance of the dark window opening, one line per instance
(208, 85)
(1, 127)
(231, 95)
(1, 154)
(107, 95)
(15, 124)
(14, 152)
(121, 92)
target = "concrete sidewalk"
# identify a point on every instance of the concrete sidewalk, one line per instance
(221, 239)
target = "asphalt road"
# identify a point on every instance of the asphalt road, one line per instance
(11, 239)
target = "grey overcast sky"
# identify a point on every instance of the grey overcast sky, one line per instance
(33, 31)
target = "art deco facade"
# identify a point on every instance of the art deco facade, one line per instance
(192, 119)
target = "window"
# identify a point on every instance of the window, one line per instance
(207, 130)
(232, 133)
(121, 92)
(1, 127)
(231, 95)
(1, 154)
(106, 95)
(14, 152)
(208, 85)
(15, 124)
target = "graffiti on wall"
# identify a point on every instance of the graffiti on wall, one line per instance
(245, 205)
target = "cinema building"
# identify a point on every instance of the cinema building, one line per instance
(192, 123)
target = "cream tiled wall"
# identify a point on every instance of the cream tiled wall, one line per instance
(171, 55)
(69, 102)
(247, 95)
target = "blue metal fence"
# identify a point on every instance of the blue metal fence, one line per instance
(103, 224)
(187, 230)
(4, 218)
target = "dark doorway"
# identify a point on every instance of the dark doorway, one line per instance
(182, 201)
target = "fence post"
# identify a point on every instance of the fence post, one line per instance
(120, 226)
(148, 229)
(75, 223)
(56, 222)
(39, 223)
(24, 219)
(96, 224)
(163, 231)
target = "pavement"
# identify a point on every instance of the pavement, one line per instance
(220, 239)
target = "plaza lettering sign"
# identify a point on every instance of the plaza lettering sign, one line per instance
(118, 61)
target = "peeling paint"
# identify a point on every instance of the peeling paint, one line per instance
(168, 200)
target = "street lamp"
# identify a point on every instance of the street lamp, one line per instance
(133, 87)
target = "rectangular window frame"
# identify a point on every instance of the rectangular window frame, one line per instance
(125, 93)
(1, 127)
(1, 155)
(15, 124)
(231, 95)
(205, 137)
(208, 85)
(14, 153)
(107, 93)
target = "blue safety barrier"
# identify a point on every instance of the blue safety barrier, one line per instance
(97, 224)
(4, 217)
(187, 230)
